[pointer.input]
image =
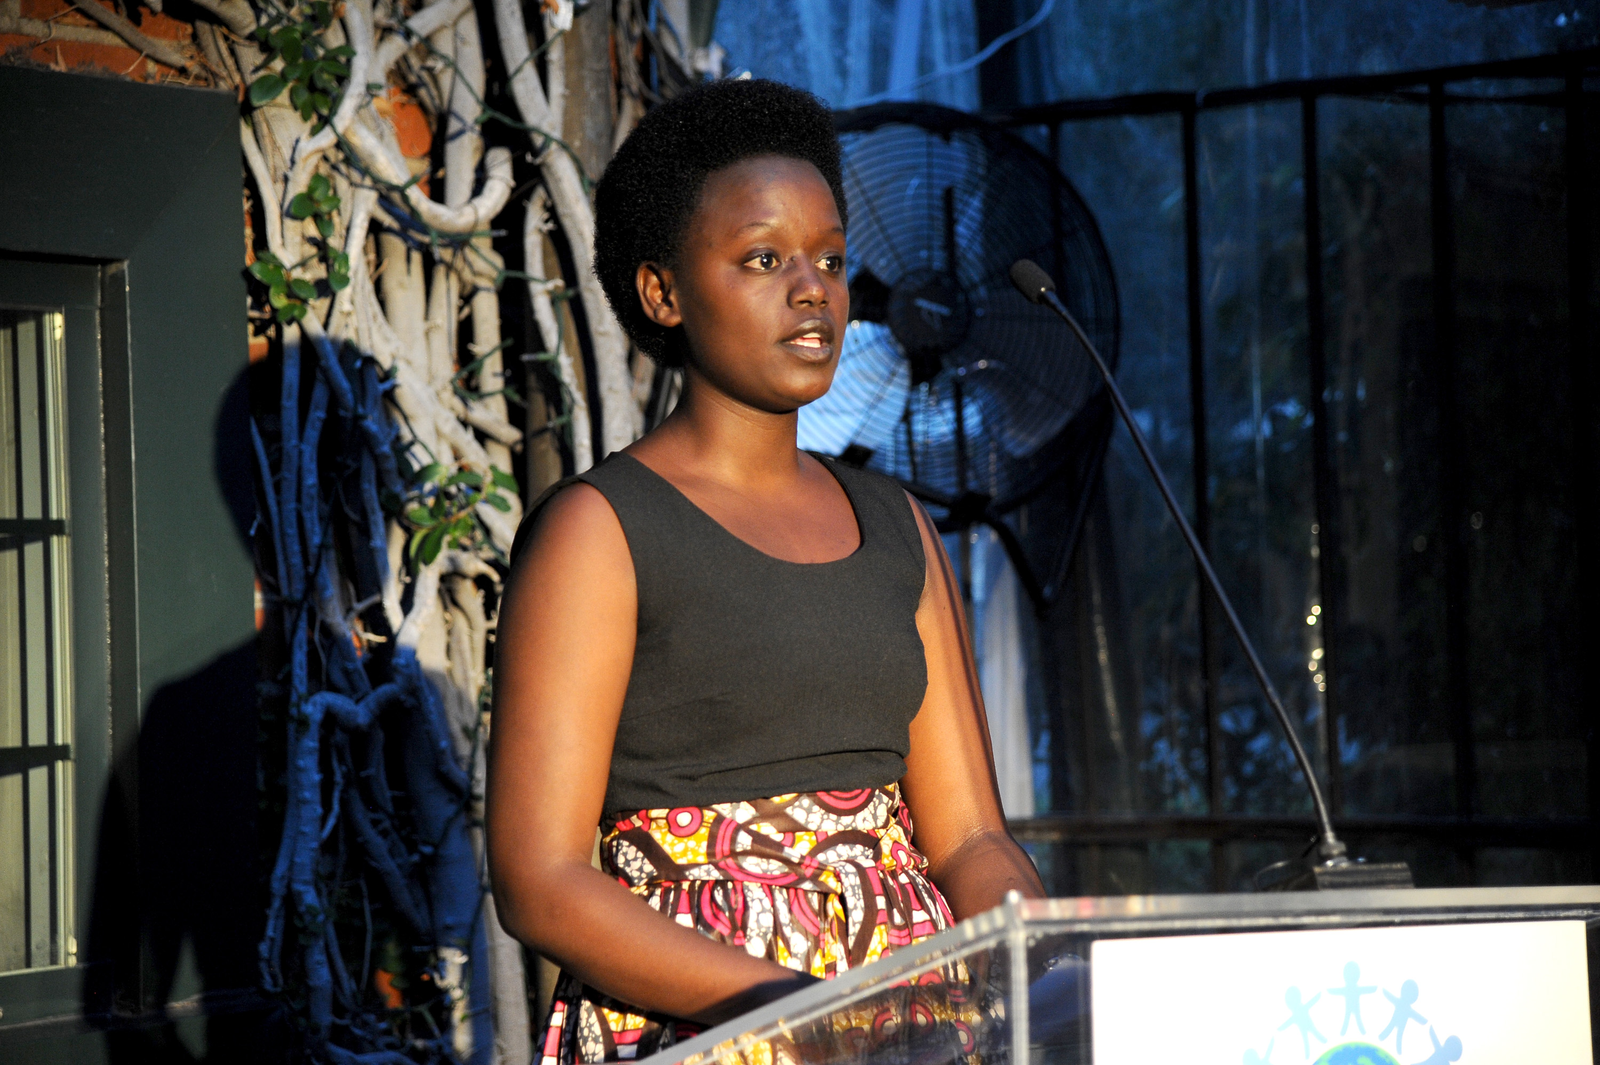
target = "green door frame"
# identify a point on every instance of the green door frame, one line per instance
(134, 190)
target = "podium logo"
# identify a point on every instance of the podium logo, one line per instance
(1438, 994)
(1351, 1005)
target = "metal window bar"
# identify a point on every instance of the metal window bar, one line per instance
(35, 748)
(1580, 353)
(1466, 828)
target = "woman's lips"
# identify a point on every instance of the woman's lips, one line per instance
(813, 339)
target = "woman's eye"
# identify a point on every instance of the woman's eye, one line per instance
(766, 260)
(833, 263)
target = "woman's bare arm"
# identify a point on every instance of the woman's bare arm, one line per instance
(565, 651)
(949, 782)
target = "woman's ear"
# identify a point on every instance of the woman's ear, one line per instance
(657, 295)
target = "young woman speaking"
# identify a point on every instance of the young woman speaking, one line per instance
(745, 663)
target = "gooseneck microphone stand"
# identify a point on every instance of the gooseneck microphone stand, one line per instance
(1326, 864)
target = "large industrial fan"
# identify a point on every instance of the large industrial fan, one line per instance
(949, 380)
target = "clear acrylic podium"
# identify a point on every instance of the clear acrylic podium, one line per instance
(1014, 985)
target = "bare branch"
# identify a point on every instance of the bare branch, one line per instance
(32, 27)
(534, 222)
(620, 416)
(161, 51)
(423, 24)
(385, 161)
(237, 15)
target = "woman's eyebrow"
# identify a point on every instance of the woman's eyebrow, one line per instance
(772, 223)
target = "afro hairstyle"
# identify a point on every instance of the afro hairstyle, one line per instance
(651, 187)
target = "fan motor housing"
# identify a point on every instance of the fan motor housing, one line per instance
(930, 316)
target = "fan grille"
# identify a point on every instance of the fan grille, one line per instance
(947, 376)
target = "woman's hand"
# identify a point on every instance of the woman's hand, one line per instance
(565, 650)
(949, 783)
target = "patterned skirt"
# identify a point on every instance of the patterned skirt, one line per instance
(819, 882)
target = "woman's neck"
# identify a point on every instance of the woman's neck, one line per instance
(714, 436)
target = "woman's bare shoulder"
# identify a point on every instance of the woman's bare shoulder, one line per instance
(576, 527)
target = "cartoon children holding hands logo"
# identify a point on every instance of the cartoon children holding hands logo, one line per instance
(1403, 1013)
(1351, 992)
(1443, 1053)
(1300, 1017)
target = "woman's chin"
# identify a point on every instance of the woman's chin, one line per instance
(795, 386)
(810, 389)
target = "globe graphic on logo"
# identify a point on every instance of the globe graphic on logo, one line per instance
(1357, 1054)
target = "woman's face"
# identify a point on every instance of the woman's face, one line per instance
(759, 285)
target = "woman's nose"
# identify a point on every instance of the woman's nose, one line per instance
(808, 288)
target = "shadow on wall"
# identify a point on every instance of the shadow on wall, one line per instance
(179, 884)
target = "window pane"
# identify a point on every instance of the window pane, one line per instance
(1525, 656)
(1258, 436)
(1128, 736)
(1388, 657)
(35, 697)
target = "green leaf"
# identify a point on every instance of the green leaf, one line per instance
(292, 50)
(299, 96)
(338, 281)
(294, 72)
(322, 12)
(319, 186)
(302, 206)
(466, 477)
(306, 111)
(428, 473)
(497, 501)
(432, 541)
(419, 516)
(324, 226)
(344, 51)
(321, 102)
(335, 68)
(340, 262)
(293, 312)
(503, 479)
(303, 288)
(278, 297)
(267, 271)
(265, 89)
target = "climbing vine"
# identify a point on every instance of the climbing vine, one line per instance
(310, 71)
(387, 458)
(388, 437)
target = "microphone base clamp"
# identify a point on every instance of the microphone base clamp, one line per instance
(1340, 874)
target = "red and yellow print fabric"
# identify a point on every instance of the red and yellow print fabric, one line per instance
(819, 882)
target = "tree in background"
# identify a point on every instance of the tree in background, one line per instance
(386, 144)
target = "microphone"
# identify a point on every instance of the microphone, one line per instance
(1330, 867)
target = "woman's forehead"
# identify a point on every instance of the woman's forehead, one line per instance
(766, 192)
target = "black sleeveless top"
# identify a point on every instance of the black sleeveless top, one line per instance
(753, 676)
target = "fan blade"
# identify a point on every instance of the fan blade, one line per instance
(869, 391)
(1020, 415)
